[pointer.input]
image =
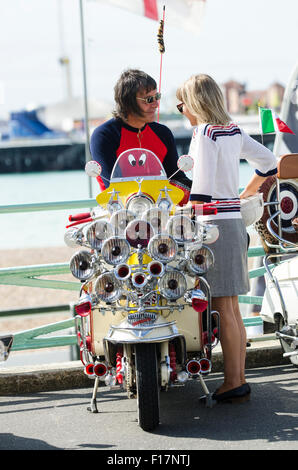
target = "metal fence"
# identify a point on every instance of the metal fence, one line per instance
(30, 276)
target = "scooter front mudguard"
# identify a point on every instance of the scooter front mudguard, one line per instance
(116, 329)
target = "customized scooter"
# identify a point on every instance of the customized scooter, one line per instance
(144, 320)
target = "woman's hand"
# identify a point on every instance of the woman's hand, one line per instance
(246, 193)
(252, 187)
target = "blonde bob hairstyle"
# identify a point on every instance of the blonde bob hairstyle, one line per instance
(204, 100)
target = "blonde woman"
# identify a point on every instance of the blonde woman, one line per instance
(217, 146)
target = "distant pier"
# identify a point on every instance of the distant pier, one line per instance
(62, 154)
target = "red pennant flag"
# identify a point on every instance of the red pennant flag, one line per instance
(282, 127)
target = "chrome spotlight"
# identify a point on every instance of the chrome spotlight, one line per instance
(98, 232)
(108, 288)
(157, 218)
(210, 233)
(81, 265)
(73, 237)
(163, 247)
(172, 284)
(139, 203)
(120, 220)
(181, 228)
(115, 250)
(200, 260)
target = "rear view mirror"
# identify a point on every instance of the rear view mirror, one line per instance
(93, 168)
(5, 346)
(185, 163)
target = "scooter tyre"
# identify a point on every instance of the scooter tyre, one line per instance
(147, 386)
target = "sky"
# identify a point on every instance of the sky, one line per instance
(251, 41)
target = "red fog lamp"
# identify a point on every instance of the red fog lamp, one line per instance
(199, 300)
(156, 269)
(83, 309)
(193, 367)
(100, 370)
(139, 280)
(89, 370)
(122, 272)
(205, 365)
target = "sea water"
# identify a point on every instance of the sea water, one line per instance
(46, 228)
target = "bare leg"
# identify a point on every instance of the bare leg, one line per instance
(231, 339)
(242, 330)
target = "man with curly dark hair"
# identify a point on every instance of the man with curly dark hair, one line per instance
(134, 126)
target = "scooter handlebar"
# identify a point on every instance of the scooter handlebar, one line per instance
(204, 209)
(83, 215)
(83, 221)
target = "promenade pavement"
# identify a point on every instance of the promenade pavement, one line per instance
(59, 420)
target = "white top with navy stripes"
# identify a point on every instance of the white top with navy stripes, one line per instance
(217, 151)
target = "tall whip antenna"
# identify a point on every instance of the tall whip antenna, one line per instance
(161, 46)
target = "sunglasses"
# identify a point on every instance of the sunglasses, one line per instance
(151, 99)
(180, 107)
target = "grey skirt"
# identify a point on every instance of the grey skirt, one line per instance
(229, 275)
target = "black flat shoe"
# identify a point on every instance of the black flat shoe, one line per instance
(246, 386)
(235, 395)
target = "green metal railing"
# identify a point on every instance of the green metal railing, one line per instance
(30, 276)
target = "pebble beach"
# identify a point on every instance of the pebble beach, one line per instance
(13, 297)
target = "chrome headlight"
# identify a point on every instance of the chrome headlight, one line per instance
(163, 247)
(210, 233)
(115, 250)
(121, 219)
(200, 260)
(98, 232)
(81, 265)
(108, 288)
(157, 218)
(181, 228)
(73, 237)
(139, 203)
(172, 284)
(138, 233)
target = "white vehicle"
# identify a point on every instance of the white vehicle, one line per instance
(280, 304)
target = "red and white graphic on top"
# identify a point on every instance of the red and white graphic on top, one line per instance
(150, 9)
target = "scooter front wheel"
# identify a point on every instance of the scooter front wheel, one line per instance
(147, 386)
